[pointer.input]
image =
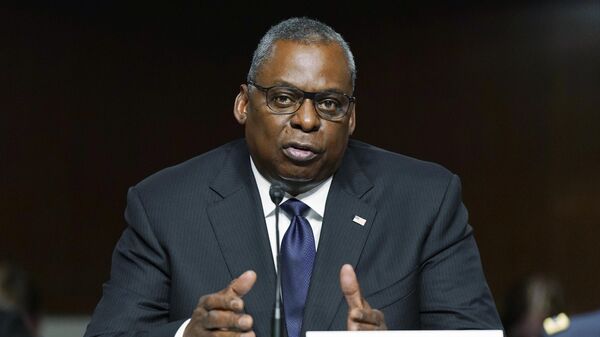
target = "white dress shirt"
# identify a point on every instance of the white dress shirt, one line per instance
(315, 199)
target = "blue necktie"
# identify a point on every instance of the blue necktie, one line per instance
(297, 258)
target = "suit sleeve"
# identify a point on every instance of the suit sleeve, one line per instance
(454, 292)
(135, 301)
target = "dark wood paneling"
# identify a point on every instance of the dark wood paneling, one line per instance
(93, 99)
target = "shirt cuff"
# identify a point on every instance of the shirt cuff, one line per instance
(181, 329)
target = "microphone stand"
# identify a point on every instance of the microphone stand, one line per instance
(276, 193)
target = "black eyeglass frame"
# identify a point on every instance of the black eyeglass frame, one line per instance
(306, 94)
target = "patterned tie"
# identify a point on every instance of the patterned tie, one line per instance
(297, 258)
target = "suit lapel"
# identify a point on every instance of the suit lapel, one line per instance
(342, 240)
(240, 228)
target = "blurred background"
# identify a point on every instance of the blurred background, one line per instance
(96, 95)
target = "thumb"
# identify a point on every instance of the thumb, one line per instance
(242, 285)
(350, 287)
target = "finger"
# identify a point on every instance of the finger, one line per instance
(229, 298)
(227, 320)
(232, 334)
(353, 325)
(221, 301)
(225, 333)
(366, 327)
(242, 285)
(350, 287)
(366, 316)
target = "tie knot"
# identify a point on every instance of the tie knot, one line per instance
(294, 207)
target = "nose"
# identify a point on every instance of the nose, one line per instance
(306, 118)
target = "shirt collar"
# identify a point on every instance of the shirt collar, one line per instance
(314, 198)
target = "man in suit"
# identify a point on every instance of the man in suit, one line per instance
(209, 222)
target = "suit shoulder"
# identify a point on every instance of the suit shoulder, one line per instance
(191, 174)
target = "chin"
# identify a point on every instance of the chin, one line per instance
(291, 172)
(297, 185)
(296, 179)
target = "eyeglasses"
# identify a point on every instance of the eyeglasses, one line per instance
(283, 100)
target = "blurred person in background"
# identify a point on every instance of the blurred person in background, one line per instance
(528, 303)
(19, 302)
(586, 324)
(536, 307)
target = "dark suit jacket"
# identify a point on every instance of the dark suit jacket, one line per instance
(196, 226)
(12, 325)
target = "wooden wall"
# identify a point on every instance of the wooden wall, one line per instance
(96, 96)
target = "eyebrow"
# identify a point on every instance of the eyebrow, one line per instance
(289, 85)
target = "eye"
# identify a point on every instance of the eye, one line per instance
(329, 104)
(282, 100)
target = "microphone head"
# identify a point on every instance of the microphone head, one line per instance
(276, 193)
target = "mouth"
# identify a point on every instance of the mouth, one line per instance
(300, 153)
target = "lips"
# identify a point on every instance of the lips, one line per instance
(300, 152)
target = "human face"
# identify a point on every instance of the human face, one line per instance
(299, 150)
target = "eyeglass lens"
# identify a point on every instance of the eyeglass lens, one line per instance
(289, 100)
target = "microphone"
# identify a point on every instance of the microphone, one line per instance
(276, 193)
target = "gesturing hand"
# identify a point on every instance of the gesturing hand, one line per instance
(360, 314)
(221, 314)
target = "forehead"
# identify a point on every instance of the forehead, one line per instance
(311, 67)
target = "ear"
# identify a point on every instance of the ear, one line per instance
(352, 119)
(240, 106)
